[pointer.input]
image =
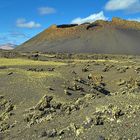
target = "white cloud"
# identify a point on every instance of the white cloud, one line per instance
(17, 34)
(133, 5)
(134, 19)
(91, 18)
(22, 23)
(46, 10)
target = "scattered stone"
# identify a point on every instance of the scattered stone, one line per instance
(121, 82)
(97, 79)
(43, 111)
(88, 123)
(108, 113)
(122, 69)
(52, 133)
(34, 56)
(36, 69)
(73, 72)
(98, 120)
(10, 73)
(67, 92)
(9, 108)
(137, 83)
(43, 133)
(4, 127)
(108, 68)
(82, 81)
(102, 90)
(117, 113)
(76, 87)
(44, 103)
(86, 69)
(74, 107)
(1, 97)
(79, 131)
(61, 132)
(56, 105)
(137, 69)
(51, 89)
(131, 83)
(6, 111)
(51, 69)
(101, 138)
(73, 127)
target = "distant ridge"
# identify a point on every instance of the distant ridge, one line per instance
(7, 46)
(114, 37)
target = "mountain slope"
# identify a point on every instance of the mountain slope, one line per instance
(116, 37)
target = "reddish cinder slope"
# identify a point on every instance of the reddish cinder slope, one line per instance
(116, 37)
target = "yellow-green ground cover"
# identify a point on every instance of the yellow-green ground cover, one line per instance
(20, 62)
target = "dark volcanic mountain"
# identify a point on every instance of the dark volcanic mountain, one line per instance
(116, 37)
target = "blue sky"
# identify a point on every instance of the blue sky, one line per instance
(22, 19)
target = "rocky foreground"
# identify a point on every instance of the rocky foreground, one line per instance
(49, 96)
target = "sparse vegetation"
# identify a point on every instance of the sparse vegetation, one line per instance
(69, 96)
(26, 62)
